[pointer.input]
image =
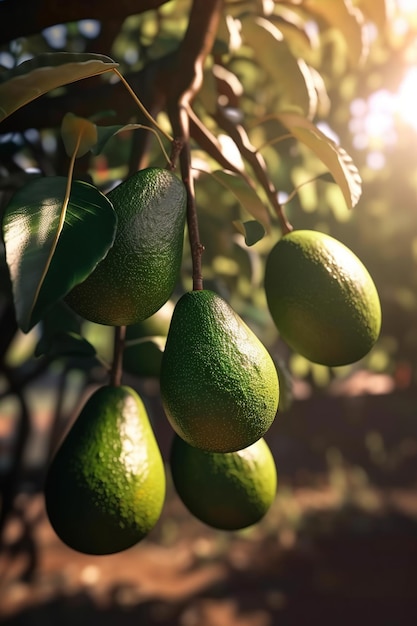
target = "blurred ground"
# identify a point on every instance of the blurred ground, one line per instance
(338, 547)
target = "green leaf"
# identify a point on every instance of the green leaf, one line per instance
(45, 72)
(335, 158)
(326, 177)
(345, 18)
(69, 345)
(245, 194)
(104, 133)
(252, 231)
(79, 135)
(291, 75)
(294, 27)
(30, 225)
(60, 335)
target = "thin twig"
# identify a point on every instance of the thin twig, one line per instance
(183, 85)
(248, 151)
(196, 246)
(117, 364)
(140, 105)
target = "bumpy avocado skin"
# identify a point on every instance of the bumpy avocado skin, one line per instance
(228, 491)
(141, 269)
(322, 298)
(219, 384)
(105, 487)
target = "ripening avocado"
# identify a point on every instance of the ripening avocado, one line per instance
(105, 487)
(140, 271)
(229, 491)
(322, 298)
(219, 384)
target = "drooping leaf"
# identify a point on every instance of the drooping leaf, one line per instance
(323, 100)
(78, 134)
(337, 160)
(245, 194)
(31, 222)
(60, 334)
(347, 19)
(104, 133)
(327, 177)
(219, 82)
(208, 94)
(31, 79)
(334, 157)
(252, 231)
(228, 34)
(69, 345)
(291, 75)
(293, 26)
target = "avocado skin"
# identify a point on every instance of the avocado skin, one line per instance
(105, 487)
(219, 385)
(141, 269)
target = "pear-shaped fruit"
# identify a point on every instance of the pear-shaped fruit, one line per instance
(105, 487)
(227, 491)
(219, 385)
(322, 299)
(139, 273)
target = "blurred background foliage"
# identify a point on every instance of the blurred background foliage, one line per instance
(350, 68)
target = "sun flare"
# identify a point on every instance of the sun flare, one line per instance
(405, 100)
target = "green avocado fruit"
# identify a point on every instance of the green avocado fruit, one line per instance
(219, 385)
(140, 271)
(105, 487)
(227, 491)
(322, 298)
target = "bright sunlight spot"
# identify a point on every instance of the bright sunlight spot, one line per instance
(376, 121)
(406, 98)
(402, 15)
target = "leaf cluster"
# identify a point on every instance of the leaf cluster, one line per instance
(256, 107)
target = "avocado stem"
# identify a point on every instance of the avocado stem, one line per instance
(117, 364)
(180, 122)
(197, 43)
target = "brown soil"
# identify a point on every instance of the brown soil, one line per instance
(338, 547)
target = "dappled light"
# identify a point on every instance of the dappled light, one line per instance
(267, 119)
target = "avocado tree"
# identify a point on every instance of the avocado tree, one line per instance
(118, 129)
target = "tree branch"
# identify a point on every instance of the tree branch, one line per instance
(208, 142)
(194, 48)
(241, 139)
(180, 123)
(27, 17)
(182, 86)
(87, 97)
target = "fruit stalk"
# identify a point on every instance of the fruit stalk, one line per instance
(195, 46)
(117, 364)
(196, 246)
